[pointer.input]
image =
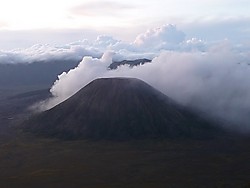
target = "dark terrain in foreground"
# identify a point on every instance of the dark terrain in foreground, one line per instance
(28, 161)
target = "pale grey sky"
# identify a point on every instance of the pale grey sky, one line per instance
(114, 16)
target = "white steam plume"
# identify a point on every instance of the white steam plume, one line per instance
(69, 83)
(209, 76)
(215, 81)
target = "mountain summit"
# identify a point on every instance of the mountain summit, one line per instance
(119, 109)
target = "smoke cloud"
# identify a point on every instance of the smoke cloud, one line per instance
(212, 77)
(215, 82)
(69, 83)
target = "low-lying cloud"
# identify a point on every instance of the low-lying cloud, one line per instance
(165, 37)
(45, 53)
(146, 45)
(215, 82)
(209, 76)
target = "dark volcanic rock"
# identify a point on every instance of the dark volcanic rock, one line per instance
(119, 109)
(131, 63)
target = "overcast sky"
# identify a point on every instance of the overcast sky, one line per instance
(27, 22)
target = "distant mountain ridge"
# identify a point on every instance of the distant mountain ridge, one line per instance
(45, 73)
(120, 109)
(130, 63)
(37, 73)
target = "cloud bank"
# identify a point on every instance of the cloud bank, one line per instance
(209, 76)
(44, 53)
(215, 82)
(146, 45)
(165, 37)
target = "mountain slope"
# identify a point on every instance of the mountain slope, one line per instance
(119, 108)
